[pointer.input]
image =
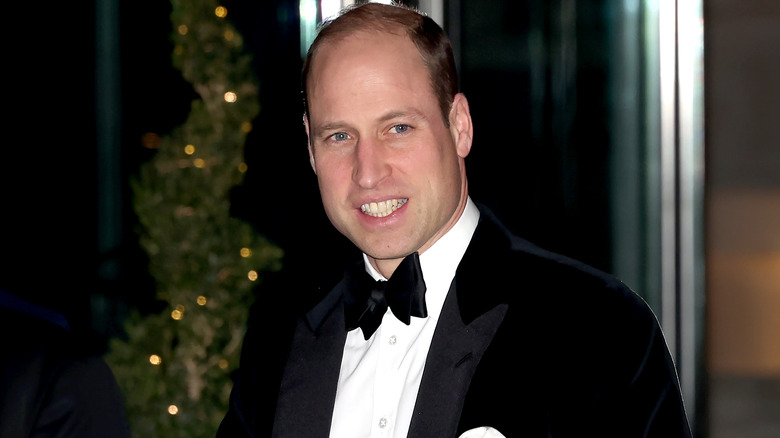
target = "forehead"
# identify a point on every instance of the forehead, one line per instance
(364, 61)
(361, 46)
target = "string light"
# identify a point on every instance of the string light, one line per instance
(178, 313)
(246, 252)
(183, 29)
(220, 11)
(200, 163)
(246, 127)
(252, 275)
(201, 300)
(223, 364)
(173, 409)
(230, 97)
(189, 149)
(155, 359)
(242, 167)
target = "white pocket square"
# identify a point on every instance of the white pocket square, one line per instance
(482, 432)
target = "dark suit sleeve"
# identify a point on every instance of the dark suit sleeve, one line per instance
(656, 389)
(620, 378)
(49, 388)
(83, 400)
(642, 396)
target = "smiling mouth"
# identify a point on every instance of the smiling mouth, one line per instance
(383, 208)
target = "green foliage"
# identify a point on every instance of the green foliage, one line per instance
(200, 257)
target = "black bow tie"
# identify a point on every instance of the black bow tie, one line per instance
(367, 300)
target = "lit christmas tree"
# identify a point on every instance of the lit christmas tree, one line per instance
(174, 367)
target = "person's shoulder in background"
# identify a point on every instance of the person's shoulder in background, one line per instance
(48, 386)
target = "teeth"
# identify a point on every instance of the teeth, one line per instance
(383, 208)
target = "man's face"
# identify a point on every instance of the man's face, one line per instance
(391, 173)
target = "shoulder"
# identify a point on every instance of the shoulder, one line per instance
(566, 283)
(512, 270)
(49, 384)
(560, 309)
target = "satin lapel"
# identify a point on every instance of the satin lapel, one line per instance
(455, 352)
(308, 388)
(473, 311)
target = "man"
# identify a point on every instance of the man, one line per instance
(508, 339)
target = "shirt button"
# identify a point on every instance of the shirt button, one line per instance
(382, 423)
(392, 340)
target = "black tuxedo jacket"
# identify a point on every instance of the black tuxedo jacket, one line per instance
(529, 342)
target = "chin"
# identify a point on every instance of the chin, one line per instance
(384, 253)
(385, 246)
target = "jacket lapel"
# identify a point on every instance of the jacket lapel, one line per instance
(305, 404)
(452, 360)
(463, 334)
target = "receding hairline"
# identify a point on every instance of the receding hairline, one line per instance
(344, 35)
(385, 27)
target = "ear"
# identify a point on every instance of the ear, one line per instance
(461, 127)
(308, 141)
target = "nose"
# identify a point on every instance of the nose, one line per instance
(371, 166)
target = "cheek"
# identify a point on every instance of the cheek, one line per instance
(439, 166)
(329, 169)
(332, 178)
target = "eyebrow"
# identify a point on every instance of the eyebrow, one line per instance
(334, 126)
(338, 125)
(414, 114)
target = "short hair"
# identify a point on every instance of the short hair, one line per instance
(431, 41)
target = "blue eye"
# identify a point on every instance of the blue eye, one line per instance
(400, 129)
(340, 136)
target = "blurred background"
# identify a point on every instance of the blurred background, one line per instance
(639, 136)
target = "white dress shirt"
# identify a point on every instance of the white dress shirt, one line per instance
(380, 377)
